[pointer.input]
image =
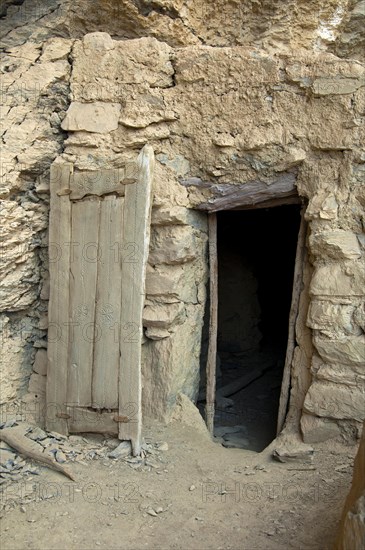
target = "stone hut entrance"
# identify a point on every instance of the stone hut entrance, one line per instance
(256, 263)
(256, 257)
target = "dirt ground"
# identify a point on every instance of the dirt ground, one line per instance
(191, 494)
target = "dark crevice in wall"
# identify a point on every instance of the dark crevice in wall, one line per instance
(145, 8)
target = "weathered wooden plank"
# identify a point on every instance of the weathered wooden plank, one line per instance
(136, 232)
(293, 314)
(58, 308)
(213, 322)
(83, 273)
(252, 193)
(83, 419)
(280, 201)
(101, 182)
(108, 305)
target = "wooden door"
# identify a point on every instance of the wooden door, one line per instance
(98, 249)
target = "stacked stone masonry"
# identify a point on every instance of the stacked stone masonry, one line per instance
(245, 107)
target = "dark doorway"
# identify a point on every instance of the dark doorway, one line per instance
(256, 255)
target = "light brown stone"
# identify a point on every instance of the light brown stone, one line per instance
(347, 350)
(172, 246)
(326, 399)
(342, 374)
(163, 316)
(159, 284)
(336, 86)
(95, 117)
(346, 279)
(332, 319)
(154, 333)
(335, 244)
(315, 430)
(174, 215)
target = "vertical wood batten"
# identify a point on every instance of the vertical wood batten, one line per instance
(293, 314)
(213, 322)
(83, 273)
(108, 305)
(58, 309)
(136, 233)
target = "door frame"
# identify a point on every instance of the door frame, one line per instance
(244, 203)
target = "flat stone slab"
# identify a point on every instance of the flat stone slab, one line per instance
(97, 117)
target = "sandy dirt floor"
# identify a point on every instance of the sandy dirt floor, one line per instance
(189, 493)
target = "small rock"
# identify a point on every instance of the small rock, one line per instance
(6, 455)
(289, 449)
(123, 449)
(151, 512)
(9, 423)
(163, 447)
(113, 443)
(57, 436)
(159, 510)
(37, 434)
(192, 488)
(60, 457)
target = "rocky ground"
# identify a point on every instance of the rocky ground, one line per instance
(184, 491)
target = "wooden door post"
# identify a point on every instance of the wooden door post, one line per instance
(213, 322)
(294, 309)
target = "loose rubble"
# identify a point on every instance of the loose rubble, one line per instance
(67, 450)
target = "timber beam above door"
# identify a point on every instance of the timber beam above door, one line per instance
(98, 249)
(243, 196)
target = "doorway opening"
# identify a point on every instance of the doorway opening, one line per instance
(256, 257)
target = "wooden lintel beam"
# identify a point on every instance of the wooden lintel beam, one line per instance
(253, 194)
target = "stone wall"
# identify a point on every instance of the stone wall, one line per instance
(227, 115)
(35, 87)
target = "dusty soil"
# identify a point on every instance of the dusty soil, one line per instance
(200, 494)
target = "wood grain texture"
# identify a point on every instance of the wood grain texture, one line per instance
(58, 309)
(293, 314)
(102, 182)
(213, 322)
(83, 274)
(247, 195)
(30, 449)
(136, 233)
(87, 420)
(108, 305)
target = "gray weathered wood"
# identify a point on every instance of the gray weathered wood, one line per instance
(83, 419)
(26, 447)
(58, 308)
(97, 298)
(250, 194)
(213, 322)
(108, 305)
(83, 273)
(101, 182)
(293, 314)
(136, 232)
